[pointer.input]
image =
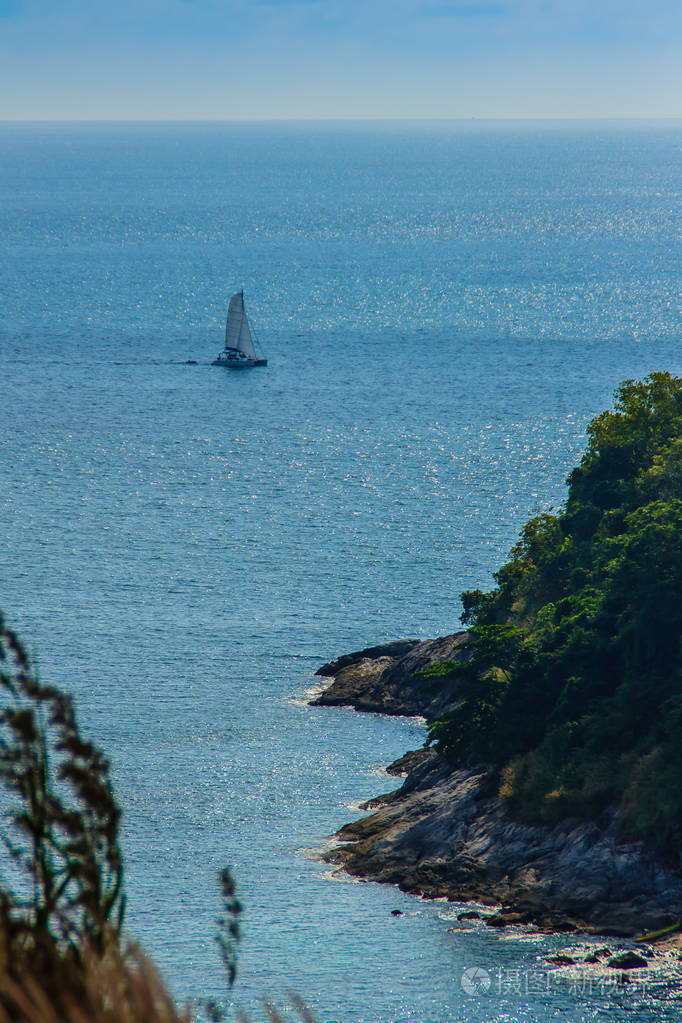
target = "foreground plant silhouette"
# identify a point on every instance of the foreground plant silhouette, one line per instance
(62, 901)
(59, 827)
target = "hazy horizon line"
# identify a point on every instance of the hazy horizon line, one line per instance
(331, 120)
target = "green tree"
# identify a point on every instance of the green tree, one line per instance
(575, 672)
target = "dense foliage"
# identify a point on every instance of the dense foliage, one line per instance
(573, 692)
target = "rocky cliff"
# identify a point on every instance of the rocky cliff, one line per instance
(446, 833)
(388, 679)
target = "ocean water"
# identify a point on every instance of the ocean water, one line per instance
(444, 307)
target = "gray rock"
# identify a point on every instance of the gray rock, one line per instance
(508, 919)
(628, 961)
(371, 653)
(408, 762)
(443, 833)
(388, 679)
(446, 833)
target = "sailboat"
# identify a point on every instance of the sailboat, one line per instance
(240, 350)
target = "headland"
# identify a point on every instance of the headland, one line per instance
(447, 833)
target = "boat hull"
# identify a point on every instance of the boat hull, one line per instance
(243, 363)
(234, 363)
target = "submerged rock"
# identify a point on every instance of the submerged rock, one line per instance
(628, 961)
(509, 918)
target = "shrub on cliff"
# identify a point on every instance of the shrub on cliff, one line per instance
(574, 689)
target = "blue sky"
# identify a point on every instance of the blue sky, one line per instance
(254, 59)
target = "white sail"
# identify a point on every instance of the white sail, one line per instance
(237, 331)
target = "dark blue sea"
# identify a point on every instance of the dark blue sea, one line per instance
(444, 307)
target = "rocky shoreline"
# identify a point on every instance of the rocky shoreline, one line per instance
(386, 679)
(445, 832)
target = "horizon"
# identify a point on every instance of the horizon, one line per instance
(326, 60)
(624, 119)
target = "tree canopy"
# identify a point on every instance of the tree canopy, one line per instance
(573, 692)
